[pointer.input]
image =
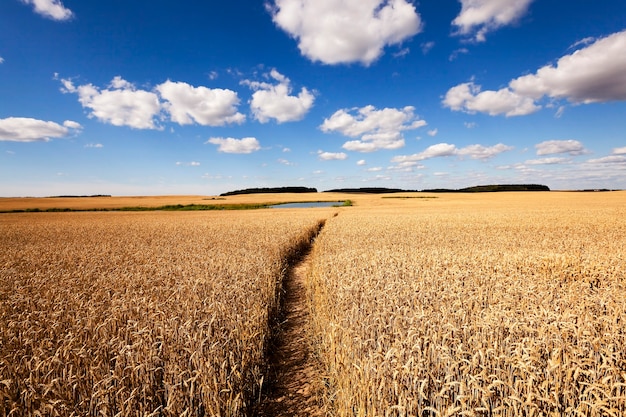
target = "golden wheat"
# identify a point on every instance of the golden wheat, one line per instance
(508, 305)
(138, 314)
(464, 305)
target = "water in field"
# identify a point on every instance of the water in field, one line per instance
(308, 204)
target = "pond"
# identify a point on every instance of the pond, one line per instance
(308, 204)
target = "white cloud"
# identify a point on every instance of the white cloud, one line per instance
(94, 145)
(612, 159)
(285, 162)
(72, 125)
(483, 152)
(273, 101)
(402, 53)
(584, 42)
(330, 156)
(378, 129)
(548, 161)
(188, 164)
(231, 145)
(433, 132)
(187, 104)
(427, 46)
(445, 149)
(478, 17)
(24, 129)
(51, 9)
(433, 151)
(361, 162)
(468, 97)
(619, 151)
(596, 73)
(374, 169)
(1, 60)
(345, 31)
(121, 104)
(456, 53)
(550, 147)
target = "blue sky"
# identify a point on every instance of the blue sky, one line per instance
(200, 97)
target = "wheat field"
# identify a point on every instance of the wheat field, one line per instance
(138, 314)
(506, 305)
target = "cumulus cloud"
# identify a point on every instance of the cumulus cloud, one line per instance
(231, 145)
(24, 129)
(595, 73)
(619, 151)
(548, 161)
(361, 162)
(483, 152)
(550, 147)
(121, 104)
(377, 129)
(446, 149)
(468, 97)
(51, 9)
(479, 17)
(187, 104)
(611, 159)
(330, 156)
(274, 101)
(335, 32)
(433, 132)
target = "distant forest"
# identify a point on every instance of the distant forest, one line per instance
(492, 188)
(382, 190)
(275, 190)
(475, 189)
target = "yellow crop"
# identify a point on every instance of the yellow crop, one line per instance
(137, 314)
(482, 306)
(507, 304)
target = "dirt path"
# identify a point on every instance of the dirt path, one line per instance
(291, 391)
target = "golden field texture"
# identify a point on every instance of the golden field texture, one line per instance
(509, 304)
(138, 314)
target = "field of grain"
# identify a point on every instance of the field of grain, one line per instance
(138, 314)
(474, 305)
(506, 304)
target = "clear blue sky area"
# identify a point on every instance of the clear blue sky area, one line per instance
(202, 97)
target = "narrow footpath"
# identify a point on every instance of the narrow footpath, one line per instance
(293, 370)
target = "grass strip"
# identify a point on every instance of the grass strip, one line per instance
(169, 207)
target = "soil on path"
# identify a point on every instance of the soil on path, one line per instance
(293, 370)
